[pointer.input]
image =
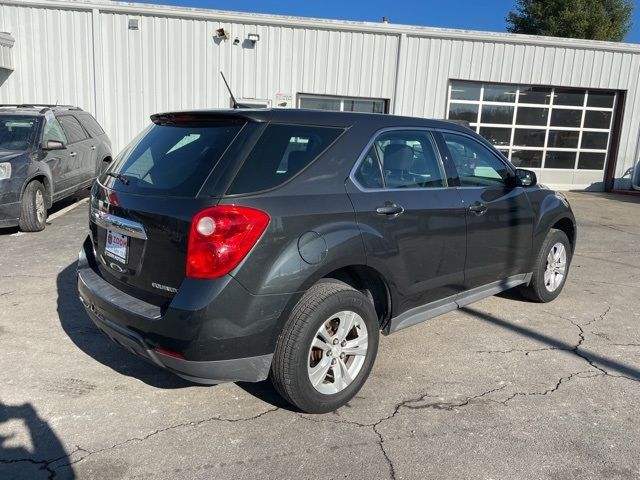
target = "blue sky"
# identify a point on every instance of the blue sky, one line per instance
(470, 14)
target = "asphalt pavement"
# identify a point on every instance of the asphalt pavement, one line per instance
(503, 389)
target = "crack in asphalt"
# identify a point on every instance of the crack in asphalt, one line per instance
(549, 390)
(45, 464)
(155, 432)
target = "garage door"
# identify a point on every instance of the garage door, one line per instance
(563, 134)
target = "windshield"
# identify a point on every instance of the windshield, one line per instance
(18, 133)
(171, 160)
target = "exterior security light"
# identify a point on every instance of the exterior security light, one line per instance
(253, 38)
(236, 41)
(220, 33)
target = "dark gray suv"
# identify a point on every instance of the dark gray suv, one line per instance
(234, 245)
(47, 153)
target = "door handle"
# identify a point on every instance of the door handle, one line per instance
(73, 154)
(478, 208)
(390, 209)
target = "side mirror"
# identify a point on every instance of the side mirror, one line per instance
(53, 145)
(526, 178)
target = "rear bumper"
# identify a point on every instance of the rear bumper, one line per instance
(223, 332)
(9, 214)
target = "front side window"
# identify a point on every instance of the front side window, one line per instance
(281, 152)
(53, 131)
(477, 166)
(17, 133)
(401, 159)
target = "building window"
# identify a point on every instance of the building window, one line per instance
(538, 127)
(342, 104)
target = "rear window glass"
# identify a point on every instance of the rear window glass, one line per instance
(72, 129)
(92, 126)
(281, 152)
(173, 159)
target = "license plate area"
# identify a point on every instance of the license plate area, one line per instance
(116, 246)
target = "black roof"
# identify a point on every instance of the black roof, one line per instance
(302, 116)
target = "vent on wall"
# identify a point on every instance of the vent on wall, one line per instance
(134, 24)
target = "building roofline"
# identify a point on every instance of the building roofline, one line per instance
(324, 24)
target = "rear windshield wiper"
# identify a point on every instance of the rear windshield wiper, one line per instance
(122, 178)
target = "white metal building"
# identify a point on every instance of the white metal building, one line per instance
(569, 109)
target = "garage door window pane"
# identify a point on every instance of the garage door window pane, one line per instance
(529, 137)
(591, 161)
(560, 160)
(537, 95)
(496, 114)
(566, 118)
(496, 136)
(563, 139)
(568, 97)
(600, 99)
(532, 116)
(318, 103)
(364, 106)
(597, 119)
(462, 111)
(465, 91)
(499, 93)
(594, 140)
(527, 158)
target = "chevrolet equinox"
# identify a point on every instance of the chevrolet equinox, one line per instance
(242, 244)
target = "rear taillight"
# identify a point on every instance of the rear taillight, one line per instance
(221, 237)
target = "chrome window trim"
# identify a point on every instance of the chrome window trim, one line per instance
(370, 143)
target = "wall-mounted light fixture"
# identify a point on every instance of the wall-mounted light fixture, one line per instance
(222, 34)
(134, 24)
(253, 38)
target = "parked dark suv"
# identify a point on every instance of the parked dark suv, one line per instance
(230, 245)
(47, 153)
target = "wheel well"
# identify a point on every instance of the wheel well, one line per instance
(566, 225)
(43, 179)
(371, 283)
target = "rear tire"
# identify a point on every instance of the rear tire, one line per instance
(550, 269)
(309, 368)
(33, 210)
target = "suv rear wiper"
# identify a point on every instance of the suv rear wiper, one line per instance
(120, 177)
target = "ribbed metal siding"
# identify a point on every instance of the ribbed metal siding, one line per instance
(173, 62)
(52, 56)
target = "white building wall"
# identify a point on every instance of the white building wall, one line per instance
(84, 54)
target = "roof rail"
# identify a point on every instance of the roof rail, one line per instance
(36, 105)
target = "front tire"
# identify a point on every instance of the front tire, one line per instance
(550, 269)
(33, 210)
(327, 348)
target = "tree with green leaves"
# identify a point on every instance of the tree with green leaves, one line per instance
(589, 19)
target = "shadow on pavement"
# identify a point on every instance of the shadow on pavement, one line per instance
(81, 330)
(18, 460)
(597, 359)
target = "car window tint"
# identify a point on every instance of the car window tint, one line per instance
(72, 129)
(173, 160)
(409, 160)
(369, 174)
(53, 131)
(91, 125)
(18, 132)
(477, 166)
(281, 152)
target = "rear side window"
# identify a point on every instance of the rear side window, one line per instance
(281, 152)
(92, 126)
(173, 160)
(72, 129)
